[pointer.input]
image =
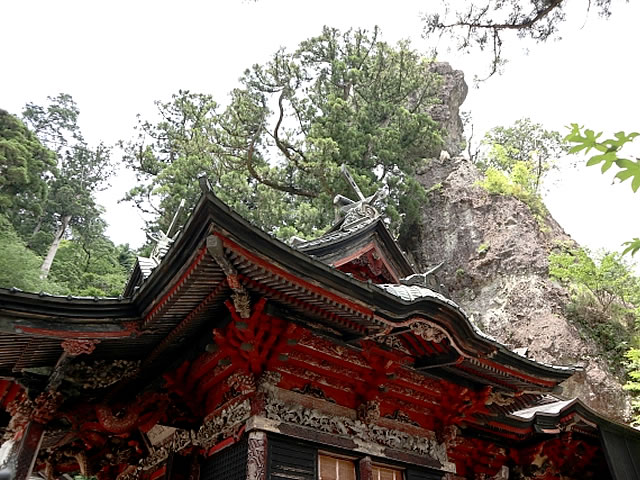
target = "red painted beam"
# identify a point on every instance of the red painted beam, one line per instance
(269, 266)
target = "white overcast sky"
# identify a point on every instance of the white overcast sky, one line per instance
(117, 57)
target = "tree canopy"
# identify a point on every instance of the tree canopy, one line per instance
(48, 178)
(80, 172)
(279, 143)
(25, 167)
(524, 142)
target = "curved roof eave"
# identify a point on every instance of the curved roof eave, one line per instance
(554, 412)
(212, 214)
(384, 303)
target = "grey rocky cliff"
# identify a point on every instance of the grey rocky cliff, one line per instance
(451, 93)
(496, 267)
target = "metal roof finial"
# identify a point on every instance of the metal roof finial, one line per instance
(356, 211)
(164, 240)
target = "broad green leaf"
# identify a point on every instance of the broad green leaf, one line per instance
(632, 246)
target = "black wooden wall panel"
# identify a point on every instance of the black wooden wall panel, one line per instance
(228, 464)
(622, 450)
(291, 460)
(416, 474)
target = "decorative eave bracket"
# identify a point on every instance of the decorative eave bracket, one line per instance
(241, 299)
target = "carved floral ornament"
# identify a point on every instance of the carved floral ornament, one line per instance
(228, 423)
(500, 399)
(100, 373)
(355, 429)
(74, 347)
(428, 332)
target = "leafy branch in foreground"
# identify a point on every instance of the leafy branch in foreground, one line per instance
(609, 153)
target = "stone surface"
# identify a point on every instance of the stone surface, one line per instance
(496, 268)
(453, 90)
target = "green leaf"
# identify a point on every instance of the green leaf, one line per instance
(632, 246)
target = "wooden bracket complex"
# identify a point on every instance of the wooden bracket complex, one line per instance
(241, 299)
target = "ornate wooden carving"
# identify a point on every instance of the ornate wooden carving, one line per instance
(75, 347)
(257, 456)
(241, 299)
(428, 332)
(358, 430)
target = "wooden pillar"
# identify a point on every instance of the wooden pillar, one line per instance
(366, 471)
(23, 457)
(257, 456)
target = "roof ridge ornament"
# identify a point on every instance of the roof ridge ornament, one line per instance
(164, 240)
(428, 279)
(355, 212)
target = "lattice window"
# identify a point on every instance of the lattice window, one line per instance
(335, 468)
(228, 464)
(386, 473)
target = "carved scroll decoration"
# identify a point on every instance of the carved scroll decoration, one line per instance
(223, 425)
(226, 424)
(74, 348)
(257, 456)
(101, 373)
(428, 332)
(355, 429)
(394, 342)
(240, 295)
(369, 411)
(499, 398)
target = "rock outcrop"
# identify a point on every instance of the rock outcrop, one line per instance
(495, 257)
(452, 92)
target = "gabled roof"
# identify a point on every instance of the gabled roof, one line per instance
(343, 244)
(157, 316)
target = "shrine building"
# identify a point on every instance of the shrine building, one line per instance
(234, 356)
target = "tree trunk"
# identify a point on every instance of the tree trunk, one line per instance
(35, 231)
(53, 249)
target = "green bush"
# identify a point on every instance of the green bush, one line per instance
(20, 266)
(519, 184)
(633, 385)
(604, 302)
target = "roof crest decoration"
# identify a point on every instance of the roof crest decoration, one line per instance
(358, 211)
(164, 240)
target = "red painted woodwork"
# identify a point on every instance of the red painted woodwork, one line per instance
(270, 267)
(130, 328)
(474, 457)
(301, 303)
(158, 473)
(244, 349)
(176, 286)
(564, 455)
(367, 264)
(9, 392)
(310, 364)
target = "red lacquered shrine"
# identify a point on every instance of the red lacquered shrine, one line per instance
(234, 356)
